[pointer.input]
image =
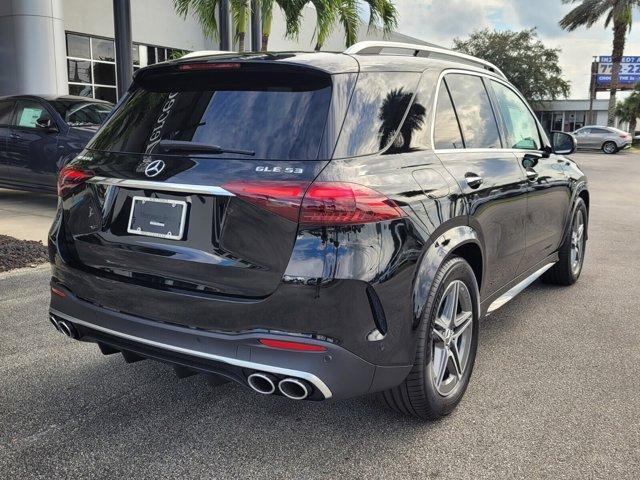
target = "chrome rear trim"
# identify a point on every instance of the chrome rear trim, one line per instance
(311, 378)
(508, 296)
(162, 186)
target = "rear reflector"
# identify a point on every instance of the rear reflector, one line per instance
(188, 67)
(297, 346)
(69, 178)
(58, 292)
(323, 204)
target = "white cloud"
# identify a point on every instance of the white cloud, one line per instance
(440, 21)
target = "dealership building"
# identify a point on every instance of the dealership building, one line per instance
(66, 46)
(570, 115)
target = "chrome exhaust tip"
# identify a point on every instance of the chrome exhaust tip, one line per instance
(262, 383)
(67, 329)
(54, 322)
(294, 389)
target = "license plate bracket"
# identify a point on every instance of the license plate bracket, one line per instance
(157, 217)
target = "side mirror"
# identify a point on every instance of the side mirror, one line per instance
(563, 143)
(45, 123)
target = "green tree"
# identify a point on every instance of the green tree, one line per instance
(292, 10)
(629, 109)
(346, 13)
(205, 11)
(619, 14)
(524, 59)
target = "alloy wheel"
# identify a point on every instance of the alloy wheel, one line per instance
(452, 334)
(577, 243)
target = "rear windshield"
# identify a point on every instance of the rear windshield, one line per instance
(276, 115)
(80, 113)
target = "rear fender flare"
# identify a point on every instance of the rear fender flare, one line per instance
(431, 260)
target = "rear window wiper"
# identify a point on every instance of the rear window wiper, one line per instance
(167, 146)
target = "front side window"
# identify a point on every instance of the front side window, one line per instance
(477, 120)
(522, 130)
(76, 114)
(447, 130)
(28, 112)
(376, 110)
(6, 108)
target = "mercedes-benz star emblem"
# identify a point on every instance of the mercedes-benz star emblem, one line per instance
(154, 168)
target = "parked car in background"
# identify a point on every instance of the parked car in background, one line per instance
(315, 225)
(39, 134)
(608, 139)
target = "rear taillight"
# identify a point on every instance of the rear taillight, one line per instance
(282, 198)
(69, 178)
(323, 204)
(624, 135)
(332, 203)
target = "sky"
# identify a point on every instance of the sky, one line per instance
(440, 21)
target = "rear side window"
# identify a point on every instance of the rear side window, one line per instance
(522, 129)
(279, 116)
(600, 131)
(378, 105)
(28, 112)
(474, 110)
(447, 130)
(5, 112)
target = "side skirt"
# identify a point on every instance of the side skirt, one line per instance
(512, 292)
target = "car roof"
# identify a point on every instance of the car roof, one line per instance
(339, 62)
(49, 98)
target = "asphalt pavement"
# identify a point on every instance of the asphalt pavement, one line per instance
(555, 392)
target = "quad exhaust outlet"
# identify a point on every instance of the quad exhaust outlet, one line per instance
(266, 384)
(64, 327)
(262, 383)
(294, 389)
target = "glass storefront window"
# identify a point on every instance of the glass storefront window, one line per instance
(78, 46)
(102, 49)
(91, 64)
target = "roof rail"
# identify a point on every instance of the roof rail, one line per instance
(415, 50)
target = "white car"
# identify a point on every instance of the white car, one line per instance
(608, 139)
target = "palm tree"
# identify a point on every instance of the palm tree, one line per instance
(629, 109)
(346, 12)
(618, 13)
(205, 11)
(240, 10)
(292, 11)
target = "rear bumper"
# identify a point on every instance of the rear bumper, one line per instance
(334, 373)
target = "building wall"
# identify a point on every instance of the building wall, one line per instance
(152, 22)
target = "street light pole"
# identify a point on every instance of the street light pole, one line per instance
(122, 28)
(223, 23)
(256, 26)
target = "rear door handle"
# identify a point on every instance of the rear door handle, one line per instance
(532, 175)
(473, 179)
(15, 136)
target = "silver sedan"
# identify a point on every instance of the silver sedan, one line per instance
(608, 139)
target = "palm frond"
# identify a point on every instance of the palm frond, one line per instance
(204, 10)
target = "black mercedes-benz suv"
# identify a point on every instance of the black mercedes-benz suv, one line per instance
(314, 225)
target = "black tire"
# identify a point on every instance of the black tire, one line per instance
(563, 272)
(417, 394)
(610, 148)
